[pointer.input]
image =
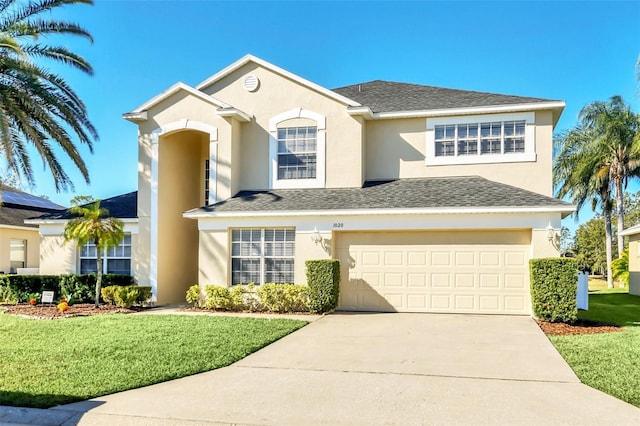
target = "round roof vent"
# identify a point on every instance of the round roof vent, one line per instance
(251, 83)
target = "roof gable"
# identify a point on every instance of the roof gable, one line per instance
(172, 91)
(277, 70)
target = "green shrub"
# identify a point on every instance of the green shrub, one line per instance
(126, 296)
(554, 286)
(109, 294)
(218, 297)
(323, 279)
(237, 297)
(7, 295)
(194, 296)
(284, 297)
(80, 288)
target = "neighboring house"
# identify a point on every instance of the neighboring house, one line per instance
(60, 257)
(634, 258)
(20, 242)
(433, 199)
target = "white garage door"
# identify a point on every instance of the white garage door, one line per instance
(445, 271)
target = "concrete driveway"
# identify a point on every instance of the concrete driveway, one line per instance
(357, 369)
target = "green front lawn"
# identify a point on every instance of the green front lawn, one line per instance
(609, 362)
(50, 362)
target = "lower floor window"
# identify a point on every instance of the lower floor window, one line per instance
(116, 260)
(18, 255)
(262, 256)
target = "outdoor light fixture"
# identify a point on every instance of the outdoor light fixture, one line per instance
(551, 236)
(315, 236)
(318, 240)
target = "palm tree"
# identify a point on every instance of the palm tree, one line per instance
(37, 107)
(614, 128)
(92, 224)
(596, 159)
(578, 175)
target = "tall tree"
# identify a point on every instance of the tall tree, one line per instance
(614, 129)
(37, 107)
(93, 224)
(577, 174)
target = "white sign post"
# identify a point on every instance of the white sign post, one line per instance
(47, 297)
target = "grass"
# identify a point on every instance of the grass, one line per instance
(44, 363)
(598, 286)
(609, 362)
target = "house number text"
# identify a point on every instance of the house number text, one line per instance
(338, 225)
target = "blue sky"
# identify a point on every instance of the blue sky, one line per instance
(578, 52)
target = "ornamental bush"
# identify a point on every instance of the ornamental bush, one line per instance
(554, 287)
(323, 279)
(218, 297)
(284, 297)
(126, 296)
(194, 296)
(77, 288)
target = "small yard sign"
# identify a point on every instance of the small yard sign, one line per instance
(47, 297)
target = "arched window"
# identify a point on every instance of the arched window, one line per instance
(297, 149)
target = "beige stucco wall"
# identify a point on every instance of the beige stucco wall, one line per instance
(634, 264)
(59, 257)
(33, 253)
(397, 149)
(178, 190)
(278, 94)
(56, 256)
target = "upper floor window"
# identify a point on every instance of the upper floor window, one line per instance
(116, 260)
(493, 138)
(481, 139)
(297, 153)
(297, 149)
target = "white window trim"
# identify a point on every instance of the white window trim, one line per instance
(321, 125)
(529, 154)
(105, 251)
(262, 256)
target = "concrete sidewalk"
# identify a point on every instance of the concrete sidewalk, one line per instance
(353, 369)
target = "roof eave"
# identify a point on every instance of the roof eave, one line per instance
(556, 106)
(250, 58)
(140, 113)
(563, 210)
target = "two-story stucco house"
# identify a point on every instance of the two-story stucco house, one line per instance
(432, 199)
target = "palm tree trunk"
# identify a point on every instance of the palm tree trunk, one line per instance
(620, 215)
(99, 277)
(609, 243)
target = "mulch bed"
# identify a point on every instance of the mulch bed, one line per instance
(52, 312)
(580, 327)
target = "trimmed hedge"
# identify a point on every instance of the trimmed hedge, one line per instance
(323, 279)
(79, 288)
(126, 296)
(284, 297)
(554, 287)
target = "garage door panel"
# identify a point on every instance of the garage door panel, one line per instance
(416, 258)
(418, 279)
(489, 303)
(465, 280)
(489, 281)
(465, 258)
(403, 272)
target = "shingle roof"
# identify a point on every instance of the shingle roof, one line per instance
(446, 192)
(123, 206)
(388, 96)
(15, 216)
